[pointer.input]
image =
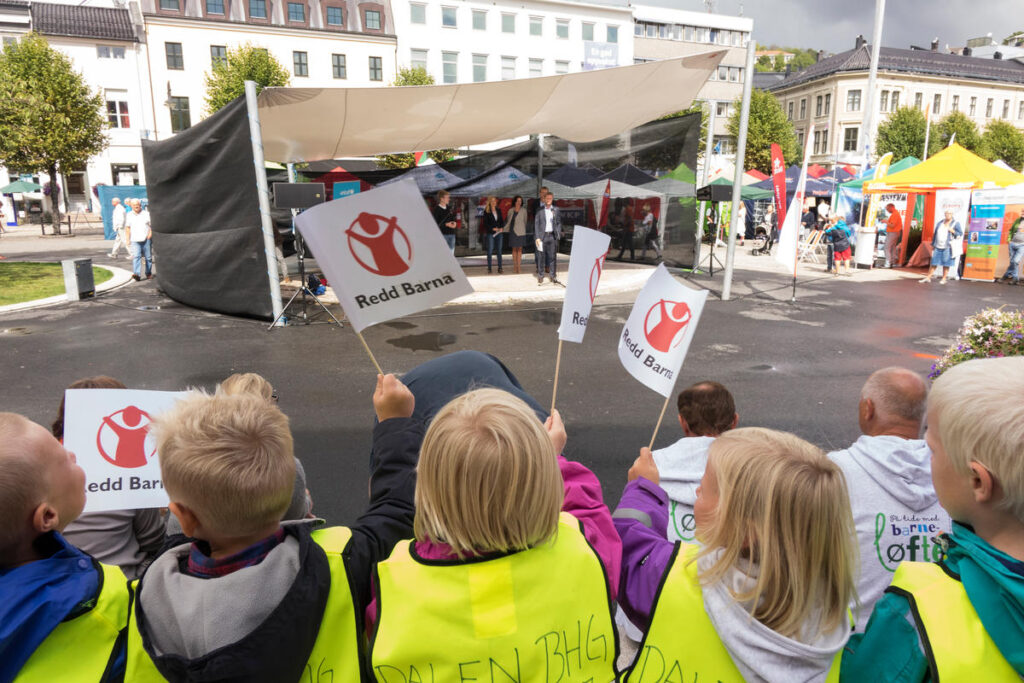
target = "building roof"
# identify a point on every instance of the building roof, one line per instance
(14, 4)
(922, 62)
(102, 23)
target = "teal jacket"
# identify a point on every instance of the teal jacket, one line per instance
(890, 648)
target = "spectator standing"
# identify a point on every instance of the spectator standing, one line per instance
(893, 235)
(741, 222)
(492, 228)
(626, 234)
(650, 234)
(118, 221)
(547, 231)
(445, 218)
(1016, 244)
(140, 236)
(946, 232)
(515, 228)
(839, 235)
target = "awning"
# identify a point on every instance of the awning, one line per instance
(307, 124)
(952, 168)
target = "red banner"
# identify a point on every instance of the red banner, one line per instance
(779, 183)
(604, 204)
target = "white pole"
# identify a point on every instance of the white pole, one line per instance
(737, 181)
(263, 194)
(869, 100)
(705, 175)
(927, 131)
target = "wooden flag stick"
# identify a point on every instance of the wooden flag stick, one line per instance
(370, 353)
(660, 418)
(558, 363)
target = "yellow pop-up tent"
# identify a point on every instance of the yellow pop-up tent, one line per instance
(952, 168)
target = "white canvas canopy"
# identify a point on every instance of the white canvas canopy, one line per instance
(489, 183)
(670, 187)
(524, 188)
(309, 124)
(429, 178)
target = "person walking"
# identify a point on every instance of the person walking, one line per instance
(444, 216)
(946, 231)
(515, 229)
(493, 226)
(140, 236)
(1016, 244)
(839, 235)
(626, 234)
(118, 221)
(650, 234)
(893, 235)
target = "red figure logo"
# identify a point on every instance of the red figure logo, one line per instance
(379, 245)
(595, 276)
(665, 324)
(124, 434)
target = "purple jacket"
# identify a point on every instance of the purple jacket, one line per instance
(642, 522)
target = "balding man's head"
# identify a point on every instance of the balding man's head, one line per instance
(893, 401)
(115, 201)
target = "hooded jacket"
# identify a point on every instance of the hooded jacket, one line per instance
(681, 467)
(895, 511)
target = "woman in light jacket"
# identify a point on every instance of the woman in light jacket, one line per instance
(515, 227)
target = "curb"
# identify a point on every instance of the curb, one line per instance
(120, 277)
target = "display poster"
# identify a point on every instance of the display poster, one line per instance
(984, 234)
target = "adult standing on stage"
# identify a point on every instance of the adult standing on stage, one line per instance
(445, 218)
(946, 232)
(547, 231)
(493, 225)
(515, 229)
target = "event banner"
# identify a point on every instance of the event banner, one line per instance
(789, 228)
(1013, 220)
(958, 202)
(382, 253)
(659, 330)
(779, 182)
(589, 247)
(871, 217)
(108, 431)
(984, 233)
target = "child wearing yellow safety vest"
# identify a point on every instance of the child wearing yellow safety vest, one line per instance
(61, 612)
(960, 619)
(764, 595)
(512, 571)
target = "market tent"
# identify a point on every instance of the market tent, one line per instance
(816, 170)
(1003, 165)
(670, 187)
(430, 178)
(20, 186)
(528, 189)
(752, 177)
(574, 175)
(489, 182)
(720, 190)
(754, 173)
(952, 168)
(305, 124)
(618, 189)
(858, 182)
(628, 173)
(814, 187)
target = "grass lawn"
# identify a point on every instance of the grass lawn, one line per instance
(28, 281)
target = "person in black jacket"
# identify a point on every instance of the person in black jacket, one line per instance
(444, 215)
(492, 226)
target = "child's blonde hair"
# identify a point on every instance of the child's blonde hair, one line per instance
(979, 410)
(488, 477)
(246, 383)
(783, 505)
(229, 459)
(22, 481)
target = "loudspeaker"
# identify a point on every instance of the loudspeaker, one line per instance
(298, 195)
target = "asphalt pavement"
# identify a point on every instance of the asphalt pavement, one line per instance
(796, 366)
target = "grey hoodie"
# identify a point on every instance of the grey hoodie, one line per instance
(895, 511)
(680, 468)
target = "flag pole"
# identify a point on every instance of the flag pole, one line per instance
(370, 353)
(660, 418)
(558, 364)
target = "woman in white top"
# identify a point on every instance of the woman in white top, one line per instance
(946, 231)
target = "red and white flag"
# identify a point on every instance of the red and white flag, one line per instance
(383, 254)
(659, 330)
(586, 261)
(789, 229)
(605, 199)
(108, 431)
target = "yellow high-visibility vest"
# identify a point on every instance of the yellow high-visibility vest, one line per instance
(80, 648)
(956, 643)
(336, 652)
(681, 643)
(542, 614)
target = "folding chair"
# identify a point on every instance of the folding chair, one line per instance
(808, 249)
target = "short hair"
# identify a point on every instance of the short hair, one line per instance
(135, 200)
(897, 392)
(979, 409)
(22, 485)
(782, 500)
(519, 197)
(246, 383)
(97, 382)
(115, 201)
(488, 477)
(228, 458)
(441, 194)
(707, 407)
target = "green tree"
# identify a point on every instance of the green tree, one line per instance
(902, 134)
(408, 77)
(956, 122)
(804, 59)
(764, 63)
(1003, 140)
(50, 120)
(226, 80)
(767, 124)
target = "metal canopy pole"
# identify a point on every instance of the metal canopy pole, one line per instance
(737, 182)
(869, 98)
(263, 193)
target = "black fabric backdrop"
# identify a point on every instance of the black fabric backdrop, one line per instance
(204, 211)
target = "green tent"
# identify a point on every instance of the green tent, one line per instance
(720, 189)
(901, 165)
(683, 173)
(19, 186)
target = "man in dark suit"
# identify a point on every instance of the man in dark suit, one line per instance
(547, 230)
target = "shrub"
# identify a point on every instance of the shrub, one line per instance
(992, 333)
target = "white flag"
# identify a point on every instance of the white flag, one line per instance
(383, 254)
(789, 231)
(589, 247)
(657, 335)
(108, 431)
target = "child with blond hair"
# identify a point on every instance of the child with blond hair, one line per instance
(764, 595)
(515, 561)
(961, 618)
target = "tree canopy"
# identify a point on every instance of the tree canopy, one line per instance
(802, 58)
(407, 76)
(767, 124)
(226, 80)
(902, 134)
(50, 120)
(958, 123)
(1003, 140)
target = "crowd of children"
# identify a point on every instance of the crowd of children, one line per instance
(484, 554)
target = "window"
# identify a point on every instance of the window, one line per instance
(638, 29)
(588, 31)
(800, 139)
(417, 13)
(418, 59)
(479, 20)
(563, 68)
(817, 142)
(117, 109)
(218, 55)
(448, 17)
(536, 26)
(789, 111)
(974, 106)
(850, 140)
(300, 63)
(1006, 109)
(853, 100)
(508, 68)
(955, 104)
(450, 67)
(1020, 111)
(817, 105)
(339, 68)
(215, 6)
(296, 11)
(918, 100)
(688, 33)
(376, 69)
(479, 68)
(257, 9)
(562, 28)
(613, 34)
(828, 103)
(174, 58)
(721, 109)
(372, 20)
(988, 108)
(734, 74)
(803, 108)
(181, 118)
(335, 16)
(170, 5)
(508, 23)
(937, 104)
(723, 73)
(105, 51)
(536, 68)
(895, 103)
(883, 102)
